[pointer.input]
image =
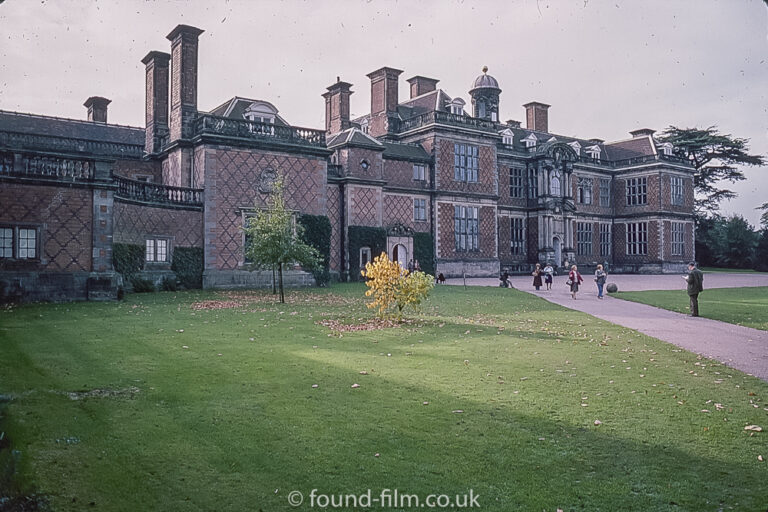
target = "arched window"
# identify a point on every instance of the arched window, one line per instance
(554, 186)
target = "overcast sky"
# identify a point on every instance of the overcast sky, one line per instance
(606, 67)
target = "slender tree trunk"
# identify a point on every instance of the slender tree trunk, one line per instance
(280, 273)
(274, 282)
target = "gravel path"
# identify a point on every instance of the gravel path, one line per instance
(743, 348)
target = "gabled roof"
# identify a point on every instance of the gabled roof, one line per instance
(353, 137)
(234, 108)
(34, 124)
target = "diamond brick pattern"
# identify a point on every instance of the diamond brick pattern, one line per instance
(334, 211)
(238, 176)
(67, 215)
(486, 173)
(487, 234)
(133, 223)
(364, 206)
(399, 208)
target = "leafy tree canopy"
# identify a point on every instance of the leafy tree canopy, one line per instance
(274, 239)
(716, 157)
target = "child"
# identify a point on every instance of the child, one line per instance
(548, 271)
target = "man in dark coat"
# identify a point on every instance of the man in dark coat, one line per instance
(695, 280)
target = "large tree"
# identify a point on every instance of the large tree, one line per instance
(716, 157)
(274, 239)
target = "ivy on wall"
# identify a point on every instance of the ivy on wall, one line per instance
(424, 251)
(364, 236)
(128, 259)
(317, 233)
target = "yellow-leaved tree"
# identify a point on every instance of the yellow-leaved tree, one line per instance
(393, 288)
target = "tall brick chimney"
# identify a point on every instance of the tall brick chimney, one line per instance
(384, 90)
(536, 116)
(183, 80)
(97, 108)
(422, 85)
(156, 100)
(337, 106)
(383, 100)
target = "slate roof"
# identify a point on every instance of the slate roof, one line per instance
(398, 151)
(234, 108)
(353, 137)
(34, 124)
(630, 148)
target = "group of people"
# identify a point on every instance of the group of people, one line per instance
(574, 278)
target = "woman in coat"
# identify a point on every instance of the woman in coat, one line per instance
(575, 279)
(537, 276)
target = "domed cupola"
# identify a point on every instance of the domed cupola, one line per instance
(485, 93)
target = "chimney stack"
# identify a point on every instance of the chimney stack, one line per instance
(536, 116)
(422, 85)
(337, 106)
(183, 80)
(642, 132)
(156, 100)
(512, 123)
(384, 90)
(97, 108)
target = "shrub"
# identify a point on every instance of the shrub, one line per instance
(141, 285)
(393, 288)
(168, 284)
(188, 266)
(128, 259)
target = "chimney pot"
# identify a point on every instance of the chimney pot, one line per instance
(97, 108)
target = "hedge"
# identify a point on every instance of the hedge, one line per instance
(188, 265)
(128, 259)
(364, 236)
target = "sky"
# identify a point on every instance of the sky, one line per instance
(606, 67)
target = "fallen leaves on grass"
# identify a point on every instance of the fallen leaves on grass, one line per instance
(372, 324)
(207, 305)
(103, 393)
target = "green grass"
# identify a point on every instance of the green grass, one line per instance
(233, 423)
(720, 270)
(746, 306)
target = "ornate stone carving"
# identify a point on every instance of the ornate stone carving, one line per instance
(267, 180)
(399, 229)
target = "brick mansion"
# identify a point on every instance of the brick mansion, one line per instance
(433, 177)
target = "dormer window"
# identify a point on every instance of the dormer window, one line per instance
(576, 147)
(263, 115)
(593, 152)
(507, 137)
(666, 149)
(456, 107)
(530, 141)
(364, 126)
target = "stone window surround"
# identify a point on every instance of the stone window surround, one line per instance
(16, 232)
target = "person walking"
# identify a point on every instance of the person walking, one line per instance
(574, 280)
(600, 277)
(537, 276)
(548, 271)
(695, 280)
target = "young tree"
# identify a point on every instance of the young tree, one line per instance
(274, 239)
(716, 157)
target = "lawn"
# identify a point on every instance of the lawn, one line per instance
(730, 270)
(746, 306)
(155, 404)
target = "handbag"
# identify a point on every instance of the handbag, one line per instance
(568, 282)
